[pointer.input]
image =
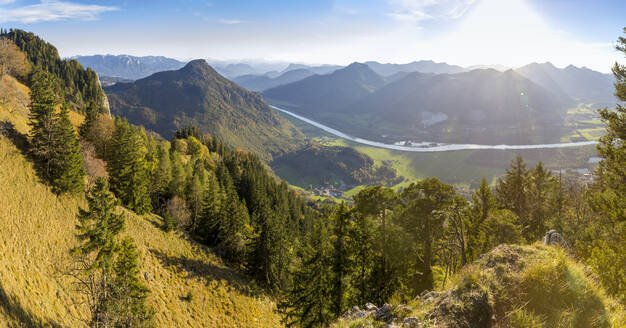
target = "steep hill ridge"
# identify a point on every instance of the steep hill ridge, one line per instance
(38, 229)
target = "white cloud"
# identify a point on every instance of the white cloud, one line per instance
(52, 11)
(421, 10)
(230, 21)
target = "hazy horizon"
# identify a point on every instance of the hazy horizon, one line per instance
(512, 33)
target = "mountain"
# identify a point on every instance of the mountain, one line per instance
(423, 66)
(128, 67)
(583, 84)
(197, 95)
(330, 91)
(322, 69)
(264, 82)
(479, 96)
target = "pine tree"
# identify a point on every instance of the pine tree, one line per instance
(308, 303)
(99, 224)
(68, 175)
(91, 115)
(162, 175)
(235, 231)
(609, 200)
(43, 134)
(179, 176)
(362, 238)
(128, 294)
(483, 203)
(97, 229)
(541, 193)
(196, 193)
(424, 200)
(511, 191)
(127, 167)
(342, 260)
(210, 220)
(376, 203)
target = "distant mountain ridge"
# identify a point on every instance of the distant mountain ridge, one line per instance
(422, 66)
(264, 82)
(330, 91)
(128, 67)
(583, 84)
(197, 95)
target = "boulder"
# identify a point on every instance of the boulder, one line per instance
(384, 313)
(370, 307)
(410, 322)
(552, 237)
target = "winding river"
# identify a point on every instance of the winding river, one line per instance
(424, 148)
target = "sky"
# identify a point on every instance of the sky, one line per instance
(461, 32)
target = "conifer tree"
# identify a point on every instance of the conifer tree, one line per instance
(43, 134)
(362, 239)
(68, 173)
(127, 167)
(309, 302)
(609, 200)
(483, 203)
(97, 229)
(91, 115)
(128, 294)
(210, 219)
(179, 176)
(342, 259)
(423, 202)
(511, 191)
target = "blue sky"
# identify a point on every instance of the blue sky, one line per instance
(462, 32)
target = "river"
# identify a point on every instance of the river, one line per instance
(439, 147)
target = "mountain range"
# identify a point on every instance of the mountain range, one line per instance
(128, 67)
(197, 95)
(437, 107)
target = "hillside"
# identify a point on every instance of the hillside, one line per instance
(479, 96)
(324, 93)
(190, 286)
(318, 165)
(128, 67)
(263, 82)
(197, 95)
(77, 86)
(512, 286)
(582, 84)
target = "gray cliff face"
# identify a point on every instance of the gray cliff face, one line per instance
(105, 101)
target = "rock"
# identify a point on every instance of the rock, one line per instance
(370, 307)
(384, 313)
(552, 237)
(355, 309)
(146, 276)
(429, 296)
(410, 322)
(362, 314)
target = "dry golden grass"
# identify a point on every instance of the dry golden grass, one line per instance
(37, 231)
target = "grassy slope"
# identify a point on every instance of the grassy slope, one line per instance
(37, 230)
(533, 286)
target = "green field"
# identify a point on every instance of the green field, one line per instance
(463, 168)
